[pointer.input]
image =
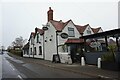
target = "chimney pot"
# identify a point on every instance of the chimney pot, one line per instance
(49, 8)
(60, 21)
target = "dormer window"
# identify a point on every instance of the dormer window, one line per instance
(71, 32)
(88, 32)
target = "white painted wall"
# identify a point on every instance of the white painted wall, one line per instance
(25, 54)
(62, 41)
(100, 31)
(85, 31)
(30, 46)
(65, 30)
(50, 46)
(37, 46)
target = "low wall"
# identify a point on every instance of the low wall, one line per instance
(117, 57)
(92, 57)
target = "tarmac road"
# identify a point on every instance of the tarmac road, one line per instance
(14, 68)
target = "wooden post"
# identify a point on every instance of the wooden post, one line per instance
(106, 42)
(117, 43)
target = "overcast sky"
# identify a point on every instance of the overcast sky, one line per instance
(20, 17)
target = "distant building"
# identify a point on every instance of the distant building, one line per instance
(17, 47)
(26, 49)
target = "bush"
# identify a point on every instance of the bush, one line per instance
(110, 56)
(16, 52)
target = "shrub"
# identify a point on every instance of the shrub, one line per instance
(16, 52)
(110, 56)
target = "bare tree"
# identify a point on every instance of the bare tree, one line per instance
(19, 41)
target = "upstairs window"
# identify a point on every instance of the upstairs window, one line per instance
(37, 38)
(71, 32)
(88, 32)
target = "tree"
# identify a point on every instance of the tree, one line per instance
(19, 41)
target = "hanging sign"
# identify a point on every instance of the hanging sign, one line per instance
(64, 35)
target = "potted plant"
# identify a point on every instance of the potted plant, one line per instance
(108, 59)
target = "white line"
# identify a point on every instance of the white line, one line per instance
(20, 77)
(103, 76)
(12, 67)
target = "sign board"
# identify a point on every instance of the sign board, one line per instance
(45, 28)
(64, 35)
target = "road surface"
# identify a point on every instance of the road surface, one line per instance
(14, 68)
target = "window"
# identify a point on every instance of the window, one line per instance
(40, 50)
(27, 52)
(71, 32)
(37, 38)
(35, 50)
(88, 31)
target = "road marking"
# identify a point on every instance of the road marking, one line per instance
(103, 76)
(12, 67)
(20, 77)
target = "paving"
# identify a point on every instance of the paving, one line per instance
(90, 70)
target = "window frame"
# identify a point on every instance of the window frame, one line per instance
(37, 38)
(71, 30)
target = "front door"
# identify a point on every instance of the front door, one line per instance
(74, 53)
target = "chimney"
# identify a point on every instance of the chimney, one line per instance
(50, 14)
(36, 30)
(60, 21)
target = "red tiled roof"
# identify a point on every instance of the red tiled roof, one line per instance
(74, 41)
(95, 30)
(81, 29)
(26, 46)
(59, 25)
(32, 33)
(40, 31)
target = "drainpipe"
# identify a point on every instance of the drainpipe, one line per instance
(117, 43)
(85, 45)
(33, 50)
(106, 42)
(57, 46)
